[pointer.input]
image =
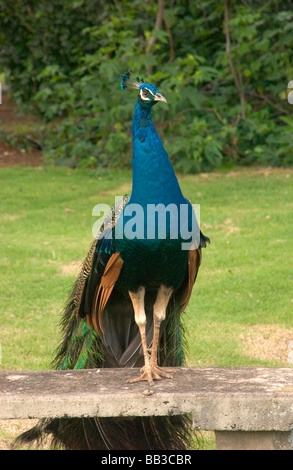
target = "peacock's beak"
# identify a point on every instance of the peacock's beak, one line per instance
(159, 97)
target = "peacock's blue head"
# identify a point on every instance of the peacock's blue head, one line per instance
(148, 95)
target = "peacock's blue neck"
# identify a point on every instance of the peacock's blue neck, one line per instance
(154, 180)
(142, 117)
(157, 212)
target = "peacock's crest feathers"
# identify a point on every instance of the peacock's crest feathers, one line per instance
(127, 82)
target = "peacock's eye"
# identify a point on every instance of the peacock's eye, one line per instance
(145, 92)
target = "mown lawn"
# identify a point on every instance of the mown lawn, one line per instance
(244, 288)
(240, 313)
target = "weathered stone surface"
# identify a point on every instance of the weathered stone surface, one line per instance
(249, 440)
(220, 399)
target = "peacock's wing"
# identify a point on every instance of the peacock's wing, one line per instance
(81, 346)
(96, 262)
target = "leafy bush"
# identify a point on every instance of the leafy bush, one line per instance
(223, 66)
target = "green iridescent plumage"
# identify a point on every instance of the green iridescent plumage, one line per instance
(81, 348)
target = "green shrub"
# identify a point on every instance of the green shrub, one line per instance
(224, 68)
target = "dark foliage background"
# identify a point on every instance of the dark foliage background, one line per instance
(223, 67)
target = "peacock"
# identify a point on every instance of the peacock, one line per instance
(125, 306)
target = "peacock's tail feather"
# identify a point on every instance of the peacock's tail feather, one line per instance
(84, 349)
(173, 343)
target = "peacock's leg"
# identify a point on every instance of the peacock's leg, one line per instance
(137, 299)
(160, 307)
(150, 370)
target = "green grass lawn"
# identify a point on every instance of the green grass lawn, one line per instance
(240, 313)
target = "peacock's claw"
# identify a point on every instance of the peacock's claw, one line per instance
(151, 373)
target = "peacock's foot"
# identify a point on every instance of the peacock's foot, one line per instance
(152, 372)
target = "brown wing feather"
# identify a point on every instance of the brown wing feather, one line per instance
(194, 260)
(104, 290)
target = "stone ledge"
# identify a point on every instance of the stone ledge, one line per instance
(220, 399)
